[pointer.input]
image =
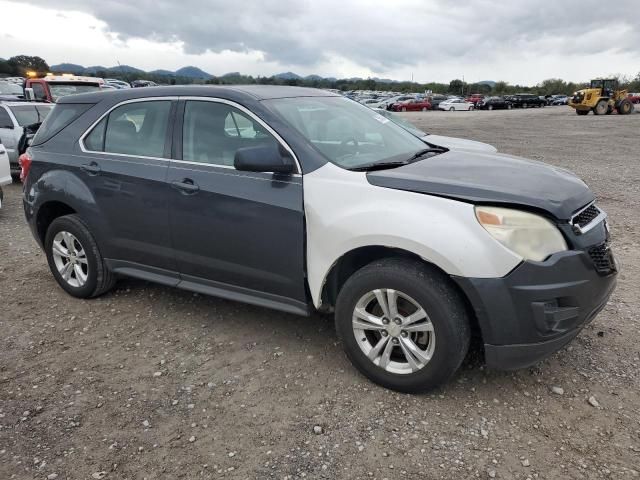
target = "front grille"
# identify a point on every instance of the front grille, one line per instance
(586, 216)
(602, 258)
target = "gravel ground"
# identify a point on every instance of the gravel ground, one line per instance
(150, 382)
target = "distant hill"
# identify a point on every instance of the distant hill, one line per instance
(491, 83)
(288, 76)
(193, 72)
(67, 68)
(313, 77)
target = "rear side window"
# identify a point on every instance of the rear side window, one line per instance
(61, 115)
(138, 129)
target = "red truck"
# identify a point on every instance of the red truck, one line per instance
(51, 87)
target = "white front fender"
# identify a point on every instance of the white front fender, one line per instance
(345, 212)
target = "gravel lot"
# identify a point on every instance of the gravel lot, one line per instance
(150, 382)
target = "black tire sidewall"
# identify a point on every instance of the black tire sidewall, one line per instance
(80, 231)
(451, 344)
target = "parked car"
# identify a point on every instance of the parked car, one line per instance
(10, 92)
(450, 143)
(5, 171)
(300, 200)
(414, 105)
(14, 117)
(560, 100)
(455, 104)
(474, 98)
(143, 83)
(388, 103)
(435, 100)
(494, 103)
(634, 97)
(526, 100)
(117, 83)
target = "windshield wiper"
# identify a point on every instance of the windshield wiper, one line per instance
(367, 167)
(424, 151)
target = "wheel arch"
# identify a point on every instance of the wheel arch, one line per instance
(355, 259)
(47, 213)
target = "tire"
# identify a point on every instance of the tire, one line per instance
(424, 109)
(509, 106)
(582, 112)
(99, 279)
(490, 107)
(452, 109)
(625, 107)
(447, 341)
(471, 107)
(404, 109)
(525, 105)
(601, 107)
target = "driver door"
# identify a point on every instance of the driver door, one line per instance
(234, 231)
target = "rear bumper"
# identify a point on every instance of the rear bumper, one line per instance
(538, 308)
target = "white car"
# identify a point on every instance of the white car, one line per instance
(5, 172)
(450, 143)
(455, 104)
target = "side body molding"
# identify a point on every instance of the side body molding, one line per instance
(344, 212)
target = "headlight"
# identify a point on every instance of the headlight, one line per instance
(531, 236)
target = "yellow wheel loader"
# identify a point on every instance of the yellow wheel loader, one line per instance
(601, 98)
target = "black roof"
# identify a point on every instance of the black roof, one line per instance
(256, 92)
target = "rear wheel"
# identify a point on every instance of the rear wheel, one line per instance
(525, 105)
(402, 324)
(424, 109)
(509, 106)
(471, 107)
(75, 260)
(625, 107)
(490, 107)
(404, 109)
(601, 107)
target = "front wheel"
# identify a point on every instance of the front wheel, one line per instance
(424, 109)
(625, 107)
(452, 109)
(509, 106)
(404, 109)
(402, 324)
(75, 260)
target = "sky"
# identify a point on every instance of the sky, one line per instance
(518, 41)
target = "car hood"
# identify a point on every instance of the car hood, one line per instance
(453, 143)
(490, 178)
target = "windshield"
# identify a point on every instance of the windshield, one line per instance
(398, 120)
(345, 132)
(63, 89)
(7, 88)
(29, 114)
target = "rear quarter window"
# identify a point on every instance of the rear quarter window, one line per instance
(60, 117)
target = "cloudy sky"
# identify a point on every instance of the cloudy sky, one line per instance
(519, 41)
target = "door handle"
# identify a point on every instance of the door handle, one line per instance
(186, 186)
(91, 168)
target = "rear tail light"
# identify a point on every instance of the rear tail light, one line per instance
(25, 165)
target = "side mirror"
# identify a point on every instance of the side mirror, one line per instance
(29, 95)
(263, 158)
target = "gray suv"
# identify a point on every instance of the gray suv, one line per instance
(301, 200)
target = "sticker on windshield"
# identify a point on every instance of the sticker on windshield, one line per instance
(380, 118)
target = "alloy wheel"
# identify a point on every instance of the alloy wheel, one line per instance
(393, 331)
(70, 259)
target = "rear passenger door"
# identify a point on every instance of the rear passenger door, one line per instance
(125, 164)
(242, 232)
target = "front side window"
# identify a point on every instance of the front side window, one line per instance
(213, 132)
(138, 128)
(345, 132)
(7, 88)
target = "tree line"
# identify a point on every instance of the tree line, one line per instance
(20, 64)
